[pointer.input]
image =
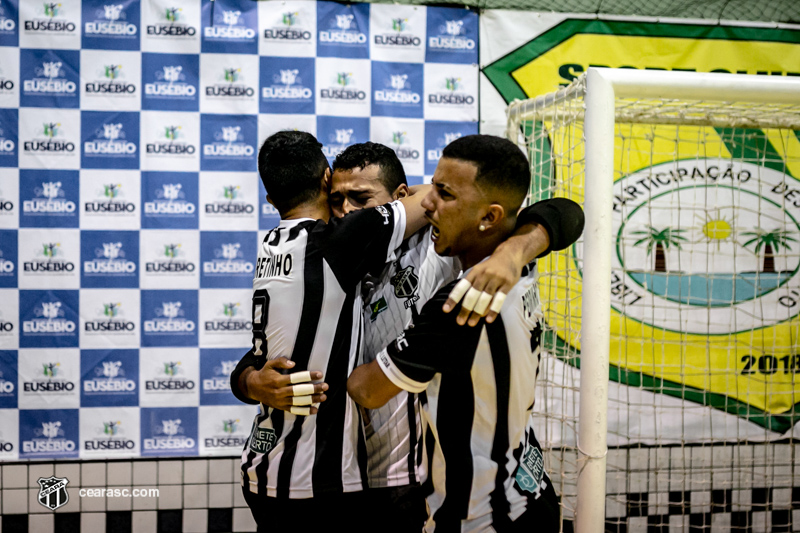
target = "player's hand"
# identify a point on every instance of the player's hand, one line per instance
(483, 290)
(293, 392)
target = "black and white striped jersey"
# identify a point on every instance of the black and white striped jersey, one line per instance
(307, 306)
(391, 301)
(480, 388)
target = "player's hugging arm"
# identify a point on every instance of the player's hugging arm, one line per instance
(548, 225)
(435, 344)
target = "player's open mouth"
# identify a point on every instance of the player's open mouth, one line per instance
(434, 232)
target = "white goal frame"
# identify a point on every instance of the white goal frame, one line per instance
(599, 87)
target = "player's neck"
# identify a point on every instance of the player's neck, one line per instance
(314, 210)
(481, 250)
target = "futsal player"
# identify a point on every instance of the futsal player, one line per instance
(479, 381)
(370, 174)
(306, 304)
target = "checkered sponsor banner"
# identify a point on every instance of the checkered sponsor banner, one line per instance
(130, 204)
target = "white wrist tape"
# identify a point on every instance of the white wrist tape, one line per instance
(483, 302)
(304, 389)
(300, 377)
(470, 299)
(497, 303)
(301, 400)
(460, 290)
(300, 411)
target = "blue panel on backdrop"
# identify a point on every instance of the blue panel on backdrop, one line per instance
(109, 378)
(9, 137)
(169, 318)
(343, 30)
(9, 23)
(169, 200)
(9, 259)
(440, 134)
(169, 431)
(228, 259)
(287, 85)
(49, 319)
(452, 36)
(111, 25)
(49, 433)
(397, 90)
(49, 78)
(268, 216)
(109, 139)
(216, 366)
(233, 28)
(8, 379)
(228, 142)
(337, 133)
(170, 82)
(110, 259)
(49, 198)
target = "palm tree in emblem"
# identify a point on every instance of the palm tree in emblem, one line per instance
(660, 240)
(771, 242)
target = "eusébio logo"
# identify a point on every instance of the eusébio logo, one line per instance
(169, 377)
(440, 134)
(49, 319)
(8, 381)
(343, 30)
(397, 90)
(227, 259)
(9, 140)
(110, 140)
(49, 434)
(170, 200)
(111, 81)
(216, 366)
(109, 378)
(228, 142)
(170, 25)
(50, 78)
(169, 318)
(49, 198)
(110, 259)
(109, 432)
(398, 33)
(287, 85)
(169, 431)
(9, 23)
(288, 29)
(111, 26)
(224, 429)
(226, 317)
(452, 36)
(170, 82)
(230, 27)
(48, 378)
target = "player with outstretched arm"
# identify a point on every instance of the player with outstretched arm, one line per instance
(479, 381)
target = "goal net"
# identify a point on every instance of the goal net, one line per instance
(704, 347)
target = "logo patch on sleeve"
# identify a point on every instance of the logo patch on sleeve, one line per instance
(262, 440)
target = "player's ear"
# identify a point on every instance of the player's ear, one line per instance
(494, 215)
(326, 180)
(400, 192)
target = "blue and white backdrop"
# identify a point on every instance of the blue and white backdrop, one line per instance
(130, 207)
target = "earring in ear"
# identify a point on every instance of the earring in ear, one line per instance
(481, 228)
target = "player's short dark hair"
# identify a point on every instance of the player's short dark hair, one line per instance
(291, 165)
(501, 164)
(362, 155)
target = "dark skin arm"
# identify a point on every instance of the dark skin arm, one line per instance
(274, 389)
(369, 387)
(501, 270)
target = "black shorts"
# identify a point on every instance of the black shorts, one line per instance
(278, 515)
(397, 509)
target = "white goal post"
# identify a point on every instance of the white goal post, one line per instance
(597, 100)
